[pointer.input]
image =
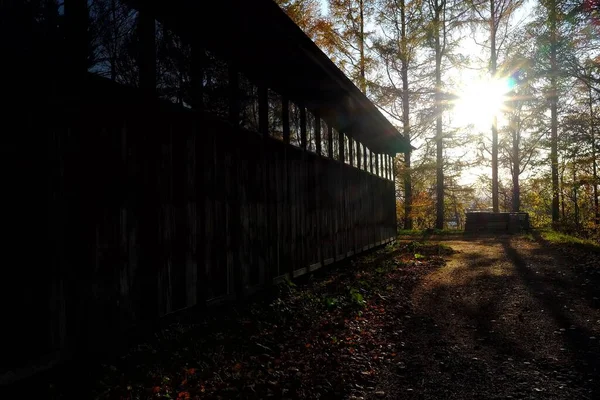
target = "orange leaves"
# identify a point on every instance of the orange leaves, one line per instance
(184, 395)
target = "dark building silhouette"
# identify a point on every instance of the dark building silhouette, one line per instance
(159, 155)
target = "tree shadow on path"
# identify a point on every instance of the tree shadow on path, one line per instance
(503, 319)
(544, 285)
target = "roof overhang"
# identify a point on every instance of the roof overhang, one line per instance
(268, 46)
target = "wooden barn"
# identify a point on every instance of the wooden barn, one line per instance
(159, 155)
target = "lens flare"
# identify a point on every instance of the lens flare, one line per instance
(480, 101)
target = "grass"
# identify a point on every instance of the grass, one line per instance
(564, 239)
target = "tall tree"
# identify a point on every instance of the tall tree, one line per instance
(553, 98)
(439, 22)
(350, 19)
(396, 47)
(495, 14)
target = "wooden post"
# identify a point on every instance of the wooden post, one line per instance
(302, 126)
(285, 118)
(387, 166)
(358, 155)
(305, 170)
(330, 141)
(350, 151)
(341, 147)
(318, 190)
(318, 132)
(285, 256)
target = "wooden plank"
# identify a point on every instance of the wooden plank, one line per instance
(358, 155)
(302, 126)
(351, 150)
(285, 119)
(318, 132)
(330, 141)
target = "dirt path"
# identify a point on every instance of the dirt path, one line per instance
(505, 318)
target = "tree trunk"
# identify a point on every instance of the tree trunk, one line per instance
(361, 43)
(408, 222)
(562, 192)
(516, 200)
(594, 166)
(554, 115)
(439, 220)
(575, 202)
(493, 68)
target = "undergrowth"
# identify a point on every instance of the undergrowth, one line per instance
(569, 240)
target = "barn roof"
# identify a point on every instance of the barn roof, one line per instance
(268, 46)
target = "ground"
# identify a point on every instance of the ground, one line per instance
(458, 318)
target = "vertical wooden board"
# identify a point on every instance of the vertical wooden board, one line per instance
(315, 238)
(339, 243)
(285, 214)
(281, 234)
(129, 222)
(202, 184)
(56, 240)
(296, 199)
(318, 249)
(257, 200)
(235, 284)
(217, 274)
(347, 219)
(263, 204)
(292, 198)
(231, 218)
(181, 224)
(165, 230)
(325, 210)
(191, 217)
(273, 240)
(245, 172)
(146, 205)
(350, 208)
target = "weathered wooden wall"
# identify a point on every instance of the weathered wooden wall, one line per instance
(153, 208)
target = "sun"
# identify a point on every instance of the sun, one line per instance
(479, 101)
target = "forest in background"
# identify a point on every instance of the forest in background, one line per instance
(415, 58)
